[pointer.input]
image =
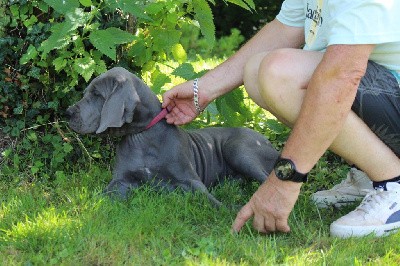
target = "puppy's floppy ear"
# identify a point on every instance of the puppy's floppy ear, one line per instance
(119, 106)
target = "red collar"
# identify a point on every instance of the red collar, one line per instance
(158, 118)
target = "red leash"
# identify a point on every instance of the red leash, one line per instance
(158, 118)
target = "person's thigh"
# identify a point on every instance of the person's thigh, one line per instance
(378, 104)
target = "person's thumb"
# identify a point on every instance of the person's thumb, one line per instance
(167, 98)
(242, 217)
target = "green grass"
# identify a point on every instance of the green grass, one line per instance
(71, 223)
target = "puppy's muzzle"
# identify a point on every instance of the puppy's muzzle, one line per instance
(73, 117)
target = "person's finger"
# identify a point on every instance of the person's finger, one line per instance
(167, 99)
(179, 116)
(242, 217)
(282, 225)
(269, 224)
(258, 223)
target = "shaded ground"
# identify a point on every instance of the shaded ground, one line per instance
(5, 142)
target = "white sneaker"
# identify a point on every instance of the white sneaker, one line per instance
(352, 189)
(378, 213)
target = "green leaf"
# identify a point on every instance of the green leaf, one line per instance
(61, 32)
(275, 126)
(140, 53)
(159, 80)
(15, 10)
(246, 4)
(100, 64)
(67, 147)
(179, 53)
(63, 6)
(59, 63)
(232, 108)
(129, 6)
(85, 66)
(31, 53)
(59, 38)
(235, 100)
(204, 16)
(107, 40)
(164, 39)
(185, 71)
(154, 8)
(86, 3)
(29, 22)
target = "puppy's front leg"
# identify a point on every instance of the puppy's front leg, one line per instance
(119, 188)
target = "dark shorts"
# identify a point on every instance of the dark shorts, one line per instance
(378, 104)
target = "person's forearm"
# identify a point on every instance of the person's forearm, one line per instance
(229, 75)
(327, 103)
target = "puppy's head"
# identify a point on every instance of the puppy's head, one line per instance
(109, 101)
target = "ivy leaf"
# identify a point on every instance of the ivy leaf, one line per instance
(85, 66)
(204, 16)
(31, 53)
(107, 40)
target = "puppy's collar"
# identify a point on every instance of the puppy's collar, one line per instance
(158, 118)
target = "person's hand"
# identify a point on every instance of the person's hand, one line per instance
(179, 100)
(270, 205)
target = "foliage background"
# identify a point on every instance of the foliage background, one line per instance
(51, 49)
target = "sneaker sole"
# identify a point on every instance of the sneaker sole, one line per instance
(325, 202)
(345, 231)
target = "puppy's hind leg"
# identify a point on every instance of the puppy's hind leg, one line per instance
(251, 156)
(196, 185)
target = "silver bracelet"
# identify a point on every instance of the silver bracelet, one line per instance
(196, 95)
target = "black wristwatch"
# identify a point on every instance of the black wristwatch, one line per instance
(285, 170)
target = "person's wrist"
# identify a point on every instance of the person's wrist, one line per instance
(204, 94)
(288, 186)
(196, 96)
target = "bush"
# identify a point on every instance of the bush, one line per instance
(51, 49)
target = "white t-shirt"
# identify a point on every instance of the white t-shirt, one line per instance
(329, 22)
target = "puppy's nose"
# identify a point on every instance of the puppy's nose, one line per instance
(68, 113)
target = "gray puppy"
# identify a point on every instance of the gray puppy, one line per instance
(120, 104)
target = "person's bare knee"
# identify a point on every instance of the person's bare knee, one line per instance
(283, 76)
(250, 79)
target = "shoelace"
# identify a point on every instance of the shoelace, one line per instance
(372, 200)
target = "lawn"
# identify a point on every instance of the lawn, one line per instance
(69, 222)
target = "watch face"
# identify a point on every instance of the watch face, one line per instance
(284, 169)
